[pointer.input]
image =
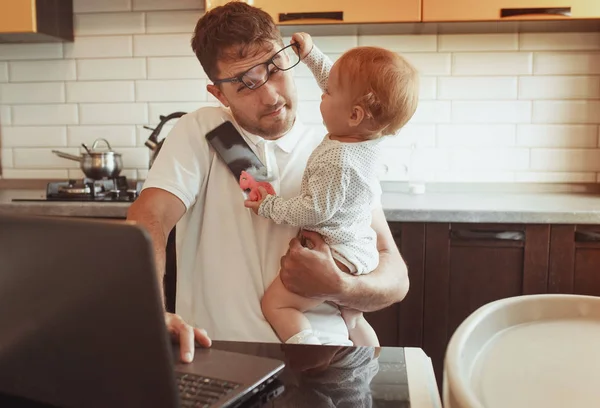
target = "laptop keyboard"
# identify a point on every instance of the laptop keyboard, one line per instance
(200, 392)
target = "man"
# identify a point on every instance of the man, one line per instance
(228, 256)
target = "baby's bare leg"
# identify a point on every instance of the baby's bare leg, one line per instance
(284, 310)
(361, 332)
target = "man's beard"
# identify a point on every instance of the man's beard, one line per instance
(275, 130)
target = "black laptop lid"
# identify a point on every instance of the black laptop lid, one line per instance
(81, 322)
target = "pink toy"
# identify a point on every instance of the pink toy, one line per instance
(247, 182)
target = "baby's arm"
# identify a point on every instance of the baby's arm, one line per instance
(318, 63)
(322, 197)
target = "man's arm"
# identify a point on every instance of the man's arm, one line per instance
(313, 273)
(158, 211)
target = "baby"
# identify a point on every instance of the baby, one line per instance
(368, 93)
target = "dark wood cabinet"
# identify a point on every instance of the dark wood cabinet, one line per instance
(575, 260)
(402, 323)
(470, 265)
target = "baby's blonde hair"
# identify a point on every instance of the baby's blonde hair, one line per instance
(385, 84)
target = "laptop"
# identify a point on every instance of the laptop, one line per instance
(81, 324)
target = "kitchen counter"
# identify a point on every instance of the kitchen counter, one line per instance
(491, 207)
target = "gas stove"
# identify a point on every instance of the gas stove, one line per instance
(106, 190)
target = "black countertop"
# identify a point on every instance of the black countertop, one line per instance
(328, 376)
(320, 376)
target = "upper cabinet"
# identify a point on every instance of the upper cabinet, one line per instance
(499, 10)
(335, 11)
(36, 20)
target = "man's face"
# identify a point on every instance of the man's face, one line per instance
(268, 111)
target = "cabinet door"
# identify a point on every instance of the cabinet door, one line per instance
(494, 10)
(470, 265)
(575, 259)
(17, 16)
(402, 324)
(335, 11)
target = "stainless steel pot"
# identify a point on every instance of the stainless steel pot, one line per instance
(97, 165)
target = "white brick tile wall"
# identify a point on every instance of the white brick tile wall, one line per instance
(566, 63)
(499, 107)
(470, 176)
(557, 135)
(49, 70)
(486, 63)
(172, 90)
(555, 177)
(559, 41)
(91, 6)
(334, 44)
(43, 158)
(111, 68)
(34, 136)
(559, 87)
(424, 135)
(108, 24)
(162, 45)
(566, 111)
(428, 88)
(135, 157)
(490, 112)
(5, 115)
(477, 88)
(100, 91)
(31, 51)
(401, 43)
(117, 136)
(449, 135)
(565, 160)
(175, 68)
(56, 114)
(470, 158)
(432, 112)
(113, 113)
(167, 5)
(165, 108)
(44, 174)
(6, 158)
(478, 42)
(430, 63)
(99, 47)
(41, 92)
(172, 21)
(3, 72)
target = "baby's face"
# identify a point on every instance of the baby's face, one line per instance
(336, 108)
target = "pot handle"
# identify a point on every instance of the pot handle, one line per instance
(101, 140)
(67, 156)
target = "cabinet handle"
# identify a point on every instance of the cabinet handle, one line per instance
(557, 11)
(325, 15)
(487, 235)
(587, 236)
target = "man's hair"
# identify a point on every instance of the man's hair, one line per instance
(385, 84)
(231, 32)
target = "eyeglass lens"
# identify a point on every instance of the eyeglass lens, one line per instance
(283, 60)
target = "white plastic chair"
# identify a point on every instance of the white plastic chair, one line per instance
(526, 351)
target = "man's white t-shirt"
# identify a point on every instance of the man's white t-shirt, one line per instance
(226, 255)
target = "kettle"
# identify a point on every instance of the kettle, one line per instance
(152, 143)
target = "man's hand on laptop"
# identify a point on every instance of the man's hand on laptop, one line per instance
(311, 271)
(185, 335)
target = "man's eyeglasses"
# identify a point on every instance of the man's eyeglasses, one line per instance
(259, 74)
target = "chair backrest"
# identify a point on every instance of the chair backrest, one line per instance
(492, 350)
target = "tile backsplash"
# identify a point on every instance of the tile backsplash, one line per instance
(494, 107)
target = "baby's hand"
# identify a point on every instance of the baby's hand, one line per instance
(254, 205)
(305, 41)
